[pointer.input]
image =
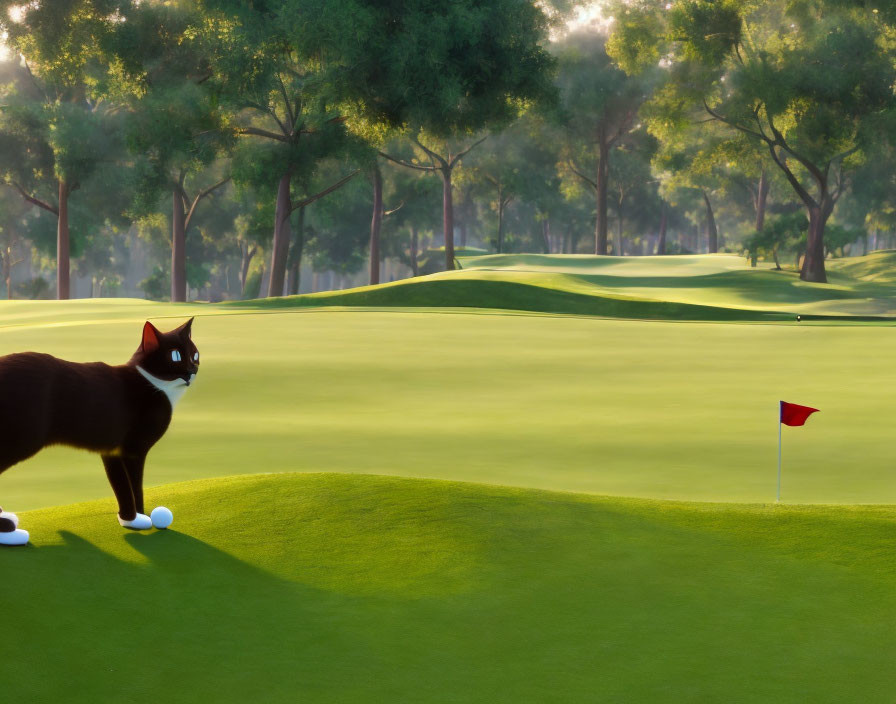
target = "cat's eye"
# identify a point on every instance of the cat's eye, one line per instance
(195, 356)
(175, 355)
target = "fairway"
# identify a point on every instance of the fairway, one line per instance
(652, 409)
(324, 588)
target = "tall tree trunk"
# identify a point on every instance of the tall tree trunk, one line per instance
(500, 223)
(375, 225)
(619, 251)
(546, 235)
(761, 200)
(246, 254)
(280, 245)
(63, 288)
(448, 218)
(600, 226)
(178, 248)
(813, 263)
(295, 254)
(711, 230)
(414, 250)
(661, 238)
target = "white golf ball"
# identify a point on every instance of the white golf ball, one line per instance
(161, 517)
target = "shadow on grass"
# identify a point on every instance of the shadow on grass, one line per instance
(80, 624)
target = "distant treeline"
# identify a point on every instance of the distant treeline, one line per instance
(221, 148)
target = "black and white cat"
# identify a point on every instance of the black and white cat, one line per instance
(119, 412)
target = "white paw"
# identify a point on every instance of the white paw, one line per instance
(140, 522)
(11, 516)
(16, 537)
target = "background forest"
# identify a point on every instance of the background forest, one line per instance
(220, 149)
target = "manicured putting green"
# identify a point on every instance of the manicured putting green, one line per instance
(337, 588)
(631, 408)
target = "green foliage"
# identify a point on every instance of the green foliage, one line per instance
(157, 285)
(253, 284)
(449, 68)
(36, 288)
(783, 234)
(810, 83)
(339, 228)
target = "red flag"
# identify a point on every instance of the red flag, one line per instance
(794, 414)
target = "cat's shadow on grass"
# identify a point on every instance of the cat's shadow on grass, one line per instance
(190, 612)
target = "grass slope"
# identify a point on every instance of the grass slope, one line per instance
(335, 588)
(631, 408)
(694, 287)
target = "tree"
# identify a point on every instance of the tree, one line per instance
(783, 233)
(810, 82)
(56, 131)
(633, 187)
(176, 127)
(413, 200)
(271, 69)
(442, 164)
(440, 71)
(600, 106)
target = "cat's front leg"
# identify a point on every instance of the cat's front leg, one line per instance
(134, 465)
(128, 515)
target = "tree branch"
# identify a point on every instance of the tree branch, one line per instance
(395, 209)
(431, 153)
(457, 157)
(736, 126)
(772, 145)
(34, 201)
(317, 196)
(407, 163)
(810, 167)
(262, 133)
(289, 113)
(582, 176)
(199, 196)
(794, 181)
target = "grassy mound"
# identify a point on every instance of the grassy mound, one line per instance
(326, 588)
(877, 266)
(693, 287)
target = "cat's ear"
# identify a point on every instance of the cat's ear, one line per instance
(186, 328)
(150, 338)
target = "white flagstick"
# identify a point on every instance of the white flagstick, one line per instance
(779, 452)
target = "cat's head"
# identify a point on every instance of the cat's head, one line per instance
(168, 355)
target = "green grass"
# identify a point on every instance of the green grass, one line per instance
(631, 408)
(342, 585)
(335, 588)
(697, 287)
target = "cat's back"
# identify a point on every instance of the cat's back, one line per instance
(27, 372)
(32, 372)
(63, 401)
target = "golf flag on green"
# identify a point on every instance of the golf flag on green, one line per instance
(790, 414)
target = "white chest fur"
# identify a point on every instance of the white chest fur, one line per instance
(173, 389)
